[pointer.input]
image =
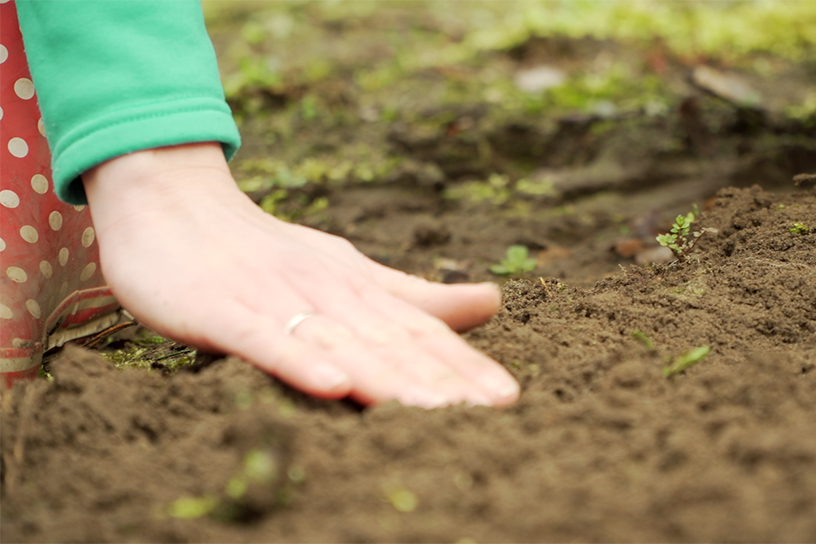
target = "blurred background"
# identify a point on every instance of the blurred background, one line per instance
(435, 135)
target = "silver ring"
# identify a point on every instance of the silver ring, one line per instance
(297, 320)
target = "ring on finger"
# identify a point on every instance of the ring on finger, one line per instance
(296, 320)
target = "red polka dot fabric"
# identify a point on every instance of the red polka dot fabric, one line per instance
(51, 286)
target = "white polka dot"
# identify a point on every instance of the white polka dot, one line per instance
(9, 199)
(55, 220)
(87, 272)
(5, 312)
(16, 274)
(18, 147)
(33, 308)
(24, 88)
(63, 256)
(88, 237)
(79, 208)
(3, 54)
(29, 234)
(41, 126)
(1, 113)
(20, 343)
(39, 183)
(45, 268)
(2, 244)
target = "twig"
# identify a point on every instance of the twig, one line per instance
(176, 354)
(95, 340)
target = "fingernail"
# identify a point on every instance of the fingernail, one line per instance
(477, 399)
(502, 389)
(509, 391)
(328, 376)
(425, 398)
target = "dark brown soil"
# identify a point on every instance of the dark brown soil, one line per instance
(352, 123)
(601, 447)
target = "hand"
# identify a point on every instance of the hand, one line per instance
(194, 259)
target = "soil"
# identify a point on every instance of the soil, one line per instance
(602, 446)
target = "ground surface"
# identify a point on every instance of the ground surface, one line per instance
(436, 164)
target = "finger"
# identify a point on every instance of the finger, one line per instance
(500, 387)
(493, 379)
(380, 358)
(261, 340)
(392, 366)
(389, 328)
(461, 306)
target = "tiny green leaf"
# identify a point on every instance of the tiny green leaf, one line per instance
(516, 261)
(192, 507)
(236, 487)
(403, 500)
(260, 466)
(680, 239)
(684, 361)
(643, 338)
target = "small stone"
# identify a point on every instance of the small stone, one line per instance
(539, 79)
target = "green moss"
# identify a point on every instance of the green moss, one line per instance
(254, 73)
(130, 356)
(496, 190)
(150, 351)
(805, 112)
(44, 374)
(718, 29)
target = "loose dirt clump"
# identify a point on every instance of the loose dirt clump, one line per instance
(601, 447)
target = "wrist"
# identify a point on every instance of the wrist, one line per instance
(161, 169)
(162, 177)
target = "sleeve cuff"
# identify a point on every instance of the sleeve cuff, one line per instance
(176, 122)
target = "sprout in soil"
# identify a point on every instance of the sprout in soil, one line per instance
(516, 261)
(799, 228)
(684, 361)
(680, 239)
(644, 339)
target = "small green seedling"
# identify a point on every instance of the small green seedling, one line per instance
(516, 261)
(680, 239)
(192, 507)
(800, 228)
(403, 500)
(643, 338)
(684, 361)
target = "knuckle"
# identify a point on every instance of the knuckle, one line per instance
(327, 335)
(431, 326)
(384, 334)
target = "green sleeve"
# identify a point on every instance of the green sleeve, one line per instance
(118, 76)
